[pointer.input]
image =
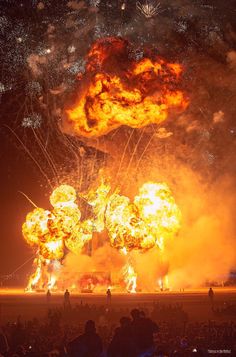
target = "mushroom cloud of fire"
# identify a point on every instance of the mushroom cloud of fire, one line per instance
(118, 90)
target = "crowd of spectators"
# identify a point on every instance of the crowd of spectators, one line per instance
(227, 309)
(99, 331)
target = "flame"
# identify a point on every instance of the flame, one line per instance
(118, 91)
(163, 283)
(52, 282)
(130, 278)
(35, 277)
(141, 224)
(97, 198)
(51, 231)
(63, 196)
(147, 222)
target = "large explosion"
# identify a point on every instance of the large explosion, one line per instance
(144, 95)
(146, 223)
(120, 232)
(114, 91)
(117, 90)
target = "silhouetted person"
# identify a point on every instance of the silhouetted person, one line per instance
(211, 296)
(48, 295)
(108, 295)
(143, 329)
(89, 344)
(123, 343)
(67, 304)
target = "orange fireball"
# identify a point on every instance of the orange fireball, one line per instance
(117, 90)
(146, 222)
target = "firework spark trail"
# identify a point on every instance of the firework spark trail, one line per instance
(18, 268)
(70, 146)
(29, 199)
(47, 156)
(30, 155)
(94, 159)
(81, 175)
(132, 156)
(149, 9)
(123, 155)
(77, 157)
(145, 149)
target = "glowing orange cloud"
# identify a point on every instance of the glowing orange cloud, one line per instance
(117, 90)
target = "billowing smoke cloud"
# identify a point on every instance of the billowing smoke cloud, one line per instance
(105, 261)
(203, 251)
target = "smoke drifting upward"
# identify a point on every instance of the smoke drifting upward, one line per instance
(105, 260)
(203, 251)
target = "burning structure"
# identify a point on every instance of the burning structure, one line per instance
(105, 233)
(146, 223)
(142, 92)
(114, 91)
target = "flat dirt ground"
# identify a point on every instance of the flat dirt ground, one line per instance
(195, 302)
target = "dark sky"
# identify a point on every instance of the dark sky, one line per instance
(18, 173)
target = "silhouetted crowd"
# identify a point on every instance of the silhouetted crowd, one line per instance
(103, 331)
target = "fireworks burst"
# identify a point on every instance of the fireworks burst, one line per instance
(94, 3)
(33, 121)
(149, 9)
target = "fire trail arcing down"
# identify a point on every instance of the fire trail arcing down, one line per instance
(145, 223)
(118, 90)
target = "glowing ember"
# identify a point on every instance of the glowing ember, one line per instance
(119, 91)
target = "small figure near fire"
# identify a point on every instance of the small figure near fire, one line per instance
(108, 296)
(67, 304)
(49, 296)
(211, 295)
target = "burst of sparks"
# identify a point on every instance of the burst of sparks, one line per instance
(100, 31)
(33, 121)
(33, 88)
(5, 87)
(149, 9)
(71, 49)
(181, 26)
(94, 3)
(77, 67)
